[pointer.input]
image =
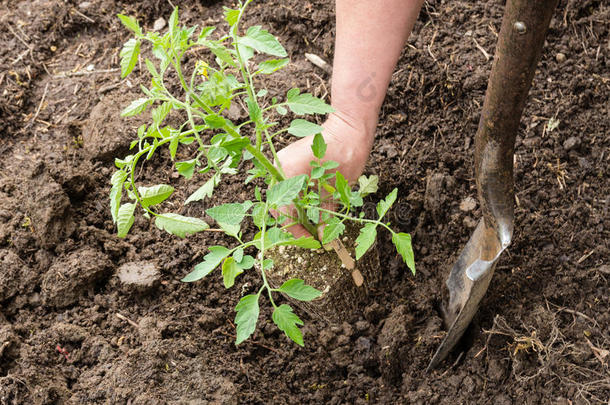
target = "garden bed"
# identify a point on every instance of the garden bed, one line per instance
(71, 331)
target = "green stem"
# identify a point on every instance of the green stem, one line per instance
(372, 221)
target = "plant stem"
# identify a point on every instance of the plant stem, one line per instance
(372, 221)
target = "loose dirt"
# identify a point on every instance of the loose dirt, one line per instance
(71, 332)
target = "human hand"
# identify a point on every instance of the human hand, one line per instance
(348, 143)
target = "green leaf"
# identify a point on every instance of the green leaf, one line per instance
(317, 172)
(230, 270)
(215, 121)
(332, 230)
(204, 191)
(306, 103)
(129, 56)
(186, 168)
(287, 321)
(343, 189)
(209, 263)
(232, 213)
(247, 262)
(205, 32)
(116, 192)
(281, 110)
(173, 22)
(231, 15)
(297, 289)
(318, 146)
(136, 107)
(179, 225)
(221, 53)
(304, 242)
(269, 66)
(155, 195)
(285, 191)
(262, 41)
(365, 240)
(330, 164)
(131, 23)
(238, 255)
(125, 219)
(313, 214)
(159, 113)
(302, 128)
(402, 241)
(384, 205)
(368, 185)
(259, 214)
(247, 315)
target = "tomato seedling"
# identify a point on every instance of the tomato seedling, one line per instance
(222, 147)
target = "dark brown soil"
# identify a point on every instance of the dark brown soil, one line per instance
(72, 332)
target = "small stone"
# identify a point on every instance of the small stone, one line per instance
(84, 5)
(560, 57)
(159, 24)
(468, 204)
(363, 344)
(571, 143)
(361, 326)
(139, 274)
(584, 163)
(470, 222)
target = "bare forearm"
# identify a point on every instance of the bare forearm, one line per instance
(370, 37)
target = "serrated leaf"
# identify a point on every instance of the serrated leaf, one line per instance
(262, 41)
(368, 185)
(297, 289)
(136, 107)
(231, 213)
(287, 321)
(384, 205)
(215, 121)
(159, 113)
(306, 103)
(116, 192)
(259, 214)
(205, 32)
(313, 214)
(402, 241)
(173, 22)
(129, 56)
(230, 270)
(186, 168)
(179, 225)
(330, 164)
(332, 230)
(302, 128)
(269, 66)
(204, 191)
(366, 238)
(209, 263)
(221, 53)
(285, 191)
(247, 315)
(155, 195)
(131, 23)
(317, 172)
(318, 146)
(343, 189)
(231, 15)
(125, 219)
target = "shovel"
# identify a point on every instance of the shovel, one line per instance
(519, 45)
